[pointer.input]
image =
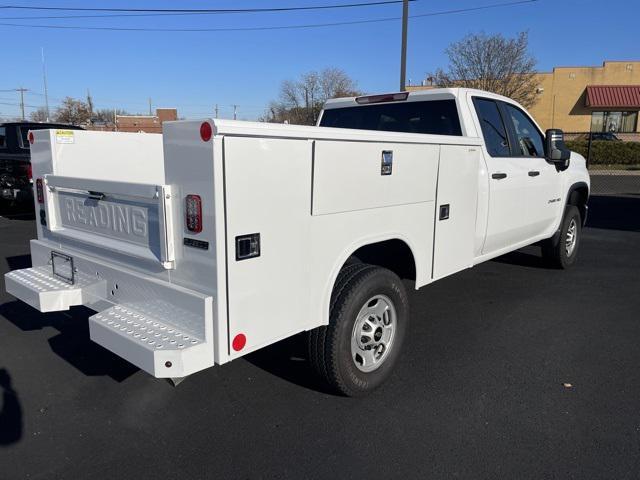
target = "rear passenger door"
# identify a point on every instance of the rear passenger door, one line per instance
(507, 222)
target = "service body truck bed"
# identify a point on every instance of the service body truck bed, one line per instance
(220, 237)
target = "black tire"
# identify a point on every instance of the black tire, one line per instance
(330, 351)
(554, 250)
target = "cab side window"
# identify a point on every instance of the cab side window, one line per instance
(529, 141)
(493, 129)
(3, 137)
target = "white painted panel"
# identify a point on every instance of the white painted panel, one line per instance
(335, 237)
(119, 156)
(268, 191)
(457, 187)
(347, 175)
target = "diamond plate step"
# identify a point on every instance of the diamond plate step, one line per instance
(39, 288)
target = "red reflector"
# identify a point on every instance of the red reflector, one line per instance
(205, 131)
(239, 341)
(193, 213)
(39, 191)
(387, 97)
(30, 137)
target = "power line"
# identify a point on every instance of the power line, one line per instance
(204, 10)
(277, 27)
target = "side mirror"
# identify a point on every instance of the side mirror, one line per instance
(555, 149)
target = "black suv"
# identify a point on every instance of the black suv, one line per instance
(15, 164)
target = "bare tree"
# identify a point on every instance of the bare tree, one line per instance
(493, 63)
(39, 115)
(75, 112)
(301, 100)
(107, 115)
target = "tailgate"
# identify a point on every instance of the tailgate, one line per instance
(133, 219)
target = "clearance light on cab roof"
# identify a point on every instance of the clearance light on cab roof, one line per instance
(193, 213)
(387, 97)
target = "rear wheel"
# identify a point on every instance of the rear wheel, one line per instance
(561, 250)
(369, 312)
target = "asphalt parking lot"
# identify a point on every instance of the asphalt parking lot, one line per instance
(511, 370)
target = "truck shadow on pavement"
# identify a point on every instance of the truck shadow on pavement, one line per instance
(72, 344)
(288, 360)
(10, 411)
(605, 212)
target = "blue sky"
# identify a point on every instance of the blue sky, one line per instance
(195, 70)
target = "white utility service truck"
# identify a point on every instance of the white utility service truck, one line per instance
(221, 237)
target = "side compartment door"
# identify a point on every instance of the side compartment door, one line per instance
(456, 207)
(507, 222)
(268, 214)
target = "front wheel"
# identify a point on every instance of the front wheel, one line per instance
(369, 312)
(561, 251)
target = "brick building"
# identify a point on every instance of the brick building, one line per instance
(146, 123)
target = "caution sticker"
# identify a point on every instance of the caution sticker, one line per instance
(64, 136)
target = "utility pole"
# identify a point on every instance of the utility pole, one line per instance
(22, 90)
(216, 110)
(235, 111)
(44, 80)
(90, 104)
(403, 53)
(150, 114)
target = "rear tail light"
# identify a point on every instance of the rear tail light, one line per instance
(39, 190)
(193, 213)
(30, 171)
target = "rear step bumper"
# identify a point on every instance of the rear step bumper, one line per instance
(37, 287)
(154, 346)
(163, 329)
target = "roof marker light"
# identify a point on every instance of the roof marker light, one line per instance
(205, 131)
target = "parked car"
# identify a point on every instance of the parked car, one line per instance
(603, 136)
(219, 237)
(15, 159)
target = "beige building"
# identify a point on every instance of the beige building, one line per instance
(577, 99)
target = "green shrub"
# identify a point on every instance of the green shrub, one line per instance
(608, 152)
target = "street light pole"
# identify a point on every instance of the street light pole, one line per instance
(403, 53)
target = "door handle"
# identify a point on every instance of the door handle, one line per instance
(499, 176)
(534, 173)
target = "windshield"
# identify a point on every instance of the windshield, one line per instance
(439, 117)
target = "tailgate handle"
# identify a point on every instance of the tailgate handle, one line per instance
(96, 195)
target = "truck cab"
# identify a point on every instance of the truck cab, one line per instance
(522, 191)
